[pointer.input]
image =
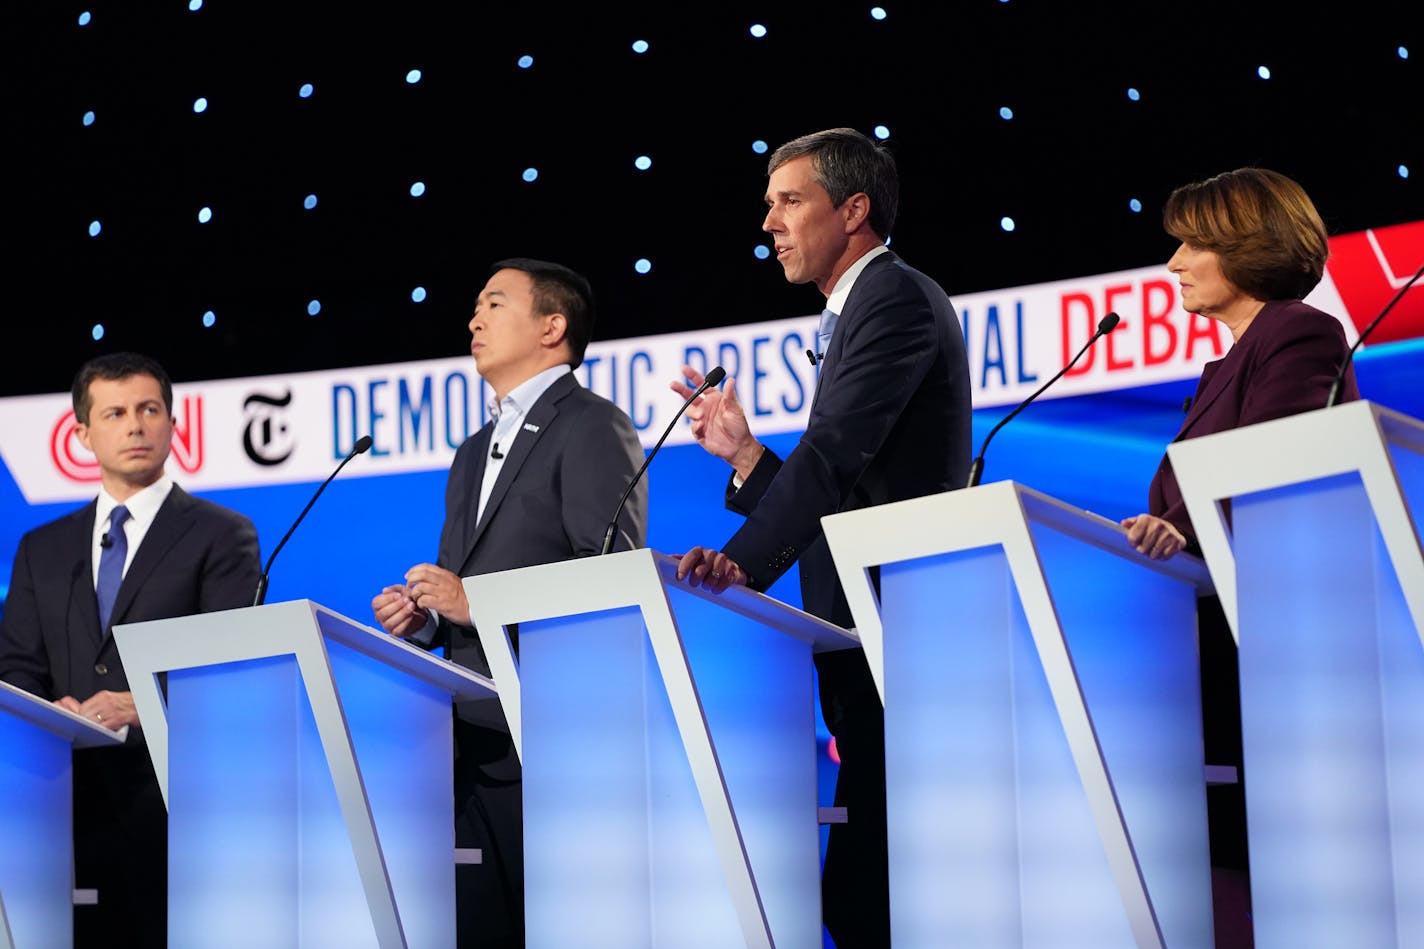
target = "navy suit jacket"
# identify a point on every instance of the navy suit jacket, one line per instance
(556, 491)
(1284, 364)
(890, 420)
(196, 557)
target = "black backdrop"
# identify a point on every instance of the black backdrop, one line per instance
(1339, 113)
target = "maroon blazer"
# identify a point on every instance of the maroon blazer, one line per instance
(1282, 365)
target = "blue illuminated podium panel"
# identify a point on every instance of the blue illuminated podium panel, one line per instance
(307, 765)
(1318, 563)
(37, 818)
(1044, 772)
(669, 753)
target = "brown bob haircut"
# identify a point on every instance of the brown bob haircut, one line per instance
(1262, 225)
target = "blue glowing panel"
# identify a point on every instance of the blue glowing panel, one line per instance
(618, 848)
(993, 840)
(757, 691)
(1132, 635)
(36, 859)
(249, 779)
(584, 683)
(1331, 682)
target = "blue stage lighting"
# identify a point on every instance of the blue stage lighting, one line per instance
(418, 294)
(413, 76)
(1135, 205)
(88, 118)
(1264, 72)
(1007, 223)
(94, 228)
(205, 215)
(640, 46)
(758, 30)
(313, 308)
(530, 174)
(642, 163)
(526, 61)
(759, 147)
(1133, 94)
(309, 202)
(1005, 113)
(306, 90)
(882, 132)
(200, 104)
(98, 331)
(877, 13)
(209, 318)
(84, 18)
(762, 252)
(642, 265)
(417, 189)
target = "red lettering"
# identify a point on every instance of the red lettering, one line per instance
(188, 435)
(1090, 321)
(1157, 319)
(1109, 295)
(1203, 328)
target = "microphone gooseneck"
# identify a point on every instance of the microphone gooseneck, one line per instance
(1350, 356)
(713, 378)
(363, 444)
(1105, 326)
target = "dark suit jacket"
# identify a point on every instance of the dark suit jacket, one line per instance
(890, 421)
(1284, 364)
(197, 557)
(555, 495)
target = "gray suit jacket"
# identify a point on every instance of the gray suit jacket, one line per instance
(557, 489)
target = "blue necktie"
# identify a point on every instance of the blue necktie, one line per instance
(824, 331)
(111, 566)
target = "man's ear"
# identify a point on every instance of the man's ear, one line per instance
(856, 210)
(82, 430)
(556, 328)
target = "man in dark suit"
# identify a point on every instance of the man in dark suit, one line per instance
(890, 420)
(535, 485)
(143, 550)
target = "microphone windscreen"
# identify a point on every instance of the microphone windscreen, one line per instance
(715, 377)
(363, 444)
(1108, 324)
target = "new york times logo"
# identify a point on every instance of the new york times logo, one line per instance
(267, 436)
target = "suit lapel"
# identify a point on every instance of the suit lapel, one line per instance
(833, 348)
(82, 598)
(471, 480)
(536, 423)
(169, 524)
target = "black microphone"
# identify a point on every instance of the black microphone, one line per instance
(105, 540)
(1105, 326)
(362, 445)
(495, 452)
(713, 378)
(814, 357)
(1350, 356)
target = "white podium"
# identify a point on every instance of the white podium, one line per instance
(1044, 768)
(668, 744)
(307, 765)
(37, 818)
(1320, 571)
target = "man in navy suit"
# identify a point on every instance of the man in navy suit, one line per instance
(143, 550)
(890, 420)
(537, 484)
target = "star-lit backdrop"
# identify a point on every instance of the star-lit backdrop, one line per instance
(249, 188)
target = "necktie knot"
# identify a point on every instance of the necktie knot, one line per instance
(825, 329)
(117, 517)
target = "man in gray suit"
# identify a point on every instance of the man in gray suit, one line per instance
(144, 549)
(537, 484)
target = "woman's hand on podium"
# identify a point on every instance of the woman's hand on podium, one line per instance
(1154, 537)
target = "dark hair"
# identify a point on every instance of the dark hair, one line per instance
(1262, 225)
(845, 162)
(116, 366)
(557, 289)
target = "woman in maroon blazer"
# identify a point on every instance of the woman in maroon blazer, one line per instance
(1252, 246)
